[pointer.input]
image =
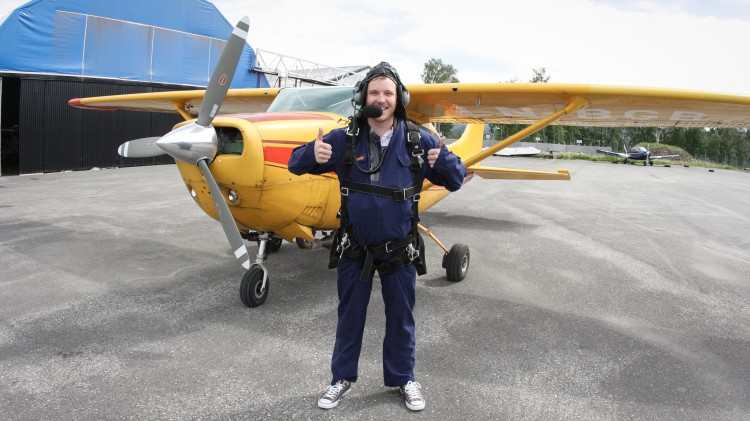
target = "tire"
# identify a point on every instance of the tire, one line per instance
(274, 244)
(456, 262)
(250, 292)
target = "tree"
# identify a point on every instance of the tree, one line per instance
(435, 71)
(540, 75)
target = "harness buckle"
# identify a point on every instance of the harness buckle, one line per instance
(343, 245)
(351, 132)
(402, 195)
(416, 197)
(387, 247)
(411, 252)
(345, 191)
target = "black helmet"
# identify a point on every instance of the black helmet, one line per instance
(382, 69)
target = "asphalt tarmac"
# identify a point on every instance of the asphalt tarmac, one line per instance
(621, 294)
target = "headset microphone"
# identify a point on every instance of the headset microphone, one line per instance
(371, 111)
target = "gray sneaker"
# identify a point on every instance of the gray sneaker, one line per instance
(412, 392)
(333, 394)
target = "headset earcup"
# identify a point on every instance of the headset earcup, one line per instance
(357, 96)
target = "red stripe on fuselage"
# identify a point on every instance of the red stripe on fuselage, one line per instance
(278, 154)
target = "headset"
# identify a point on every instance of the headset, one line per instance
(382, 69)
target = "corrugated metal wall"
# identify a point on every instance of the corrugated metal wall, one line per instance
(57, 137)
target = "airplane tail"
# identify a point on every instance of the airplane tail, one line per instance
(625, 145)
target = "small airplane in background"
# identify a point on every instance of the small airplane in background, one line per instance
(638, 153)
(234, 164)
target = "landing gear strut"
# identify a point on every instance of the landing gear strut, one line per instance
(455, 261)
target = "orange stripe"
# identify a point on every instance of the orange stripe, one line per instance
(276, 154)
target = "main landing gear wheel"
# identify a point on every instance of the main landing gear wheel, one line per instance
(252, 291)
(303, 244)
(456, 262)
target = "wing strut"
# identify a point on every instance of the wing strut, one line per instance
(574, 104)
(180, 107)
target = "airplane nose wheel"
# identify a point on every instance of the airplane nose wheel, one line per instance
(456, 262)
(255, 283)
(252, 291)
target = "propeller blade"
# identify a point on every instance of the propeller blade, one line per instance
(227, 221)
(222, 76)
(144, 147)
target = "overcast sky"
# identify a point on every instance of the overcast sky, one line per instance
(692, 44)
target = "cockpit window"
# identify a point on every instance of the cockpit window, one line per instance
(230, 141)
(337, 100)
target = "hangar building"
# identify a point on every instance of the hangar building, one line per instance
(55, 50)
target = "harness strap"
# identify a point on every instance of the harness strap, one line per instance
(365, 254)
(399, 195)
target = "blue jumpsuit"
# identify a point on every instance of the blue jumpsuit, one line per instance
(373, 221)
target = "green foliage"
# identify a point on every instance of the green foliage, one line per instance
(540, 75)
(435, 71)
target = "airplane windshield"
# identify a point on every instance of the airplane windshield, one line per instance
(337, 100)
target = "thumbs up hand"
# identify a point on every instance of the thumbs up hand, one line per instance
(323, 151)
(432, 154)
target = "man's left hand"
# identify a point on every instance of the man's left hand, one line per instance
(432, 154)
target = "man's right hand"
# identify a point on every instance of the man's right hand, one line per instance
(323, 151)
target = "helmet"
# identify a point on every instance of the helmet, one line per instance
(382, 69)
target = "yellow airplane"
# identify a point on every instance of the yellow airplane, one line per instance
(234, 165)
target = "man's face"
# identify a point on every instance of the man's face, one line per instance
(381, 91)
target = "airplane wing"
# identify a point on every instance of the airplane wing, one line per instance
(542, 104)
(187, 103)
(597, 105)
(620, 154)
(664, 156)
(496, 103)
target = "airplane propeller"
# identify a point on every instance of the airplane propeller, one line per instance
(140, 148)
(196, 143)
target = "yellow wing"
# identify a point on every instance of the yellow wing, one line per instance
(187, 103)
(588, 105)
(497, 103)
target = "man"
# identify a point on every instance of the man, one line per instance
(381, 163)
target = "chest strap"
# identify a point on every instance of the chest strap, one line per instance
(399, 195)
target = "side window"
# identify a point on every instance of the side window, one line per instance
(230, 141)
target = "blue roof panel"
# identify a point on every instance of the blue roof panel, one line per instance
(166, 41)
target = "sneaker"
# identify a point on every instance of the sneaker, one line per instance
(412, 392)
(333, 394)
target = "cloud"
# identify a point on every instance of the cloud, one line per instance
(677, 44)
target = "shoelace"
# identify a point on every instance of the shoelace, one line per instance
(412, 390)
(333, 390)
